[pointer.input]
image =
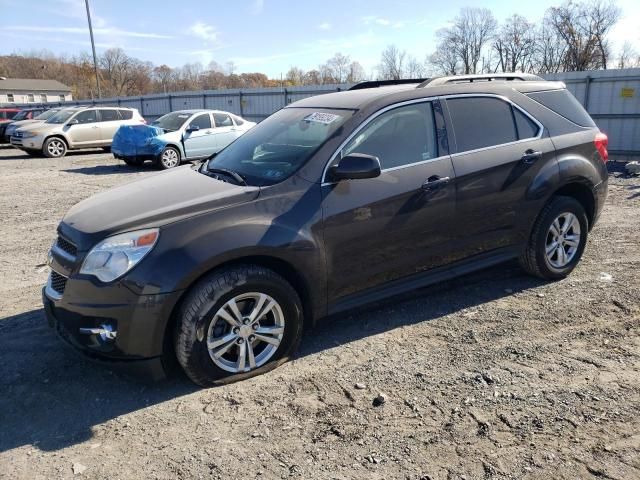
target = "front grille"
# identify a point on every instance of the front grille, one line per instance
(58, 282)
(67, 246)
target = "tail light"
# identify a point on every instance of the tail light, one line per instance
(142, 120)
(601, 142)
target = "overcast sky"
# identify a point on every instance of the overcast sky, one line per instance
(257, 35)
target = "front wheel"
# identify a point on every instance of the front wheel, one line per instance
(558, 239)
(235, 323)
(169, 158)
(54, 148)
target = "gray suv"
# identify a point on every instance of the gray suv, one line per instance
(74, 128)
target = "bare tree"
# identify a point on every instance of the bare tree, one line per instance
(472, 30)
(550, 49)
(584, 28)
(391, 65)
(295, 76)
(414, 68)
(356, 73)
(339, 65)
(515, 44)
(445, 59)
(628, 57)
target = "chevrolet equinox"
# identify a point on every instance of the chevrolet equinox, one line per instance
(330, 203)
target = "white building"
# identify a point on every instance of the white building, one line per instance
(28, 90)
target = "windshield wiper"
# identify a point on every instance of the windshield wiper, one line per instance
(230, 173)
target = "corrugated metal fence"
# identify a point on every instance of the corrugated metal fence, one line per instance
(612, 97)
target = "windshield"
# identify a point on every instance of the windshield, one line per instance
(62, 116)
(47, 114)
(21, 115)
(277, 147)
(171, 121)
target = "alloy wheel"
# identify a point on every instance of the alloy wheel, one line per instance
(55, 148)
(245, 332)
(170, 158)
(563, 240)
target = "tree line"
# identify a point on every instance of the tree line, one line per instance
(570, 37)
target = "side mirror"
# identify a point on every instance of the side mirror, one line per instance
(75, 121)
(355, 166)
(193, 128)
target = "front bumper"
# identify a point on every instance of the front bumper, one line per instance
(30, 143)
(136, 158)
(138, 322)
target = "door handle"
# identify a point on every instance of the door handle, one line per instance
(434, 182)
(530, 156)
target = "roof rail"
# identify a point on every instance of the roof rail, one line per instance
(385, 83)
(509, 77)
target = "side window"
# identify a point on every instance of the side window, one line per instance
(43, 98)
(203, 121)
(109, 115)
(401, 136)
(31, 98)
(238, 120)
(222, 120)
(10, 97)
(481, 122)
(88, 116)
(126, 114)
(526, 127)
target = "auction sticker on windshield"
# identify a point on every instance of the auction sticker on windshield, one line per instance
(324, 118)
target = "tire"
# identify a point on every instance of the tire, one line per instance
(199, 323)
(54, 147)
(169, 158)
(106, 149)
(555, 265)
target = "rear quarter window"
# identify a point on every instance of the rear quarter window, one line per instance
(564, 104)
(527, 128)
(126, 114)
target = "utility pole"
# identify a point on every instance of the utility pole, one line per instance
(93, 47)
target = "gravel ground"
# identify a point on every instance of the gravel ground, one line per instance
(495, 375)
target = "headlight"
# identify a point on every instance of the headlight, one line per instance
(115, 256)
(28, 134)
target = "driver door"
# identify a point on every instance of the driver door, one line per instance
(383, 229)
(86, 132)
(200, 142)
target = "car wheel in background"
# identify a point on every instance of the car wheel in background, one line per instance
(235, 323)
(107, 149)
(558, 239)
(169, 158)
(54, 148)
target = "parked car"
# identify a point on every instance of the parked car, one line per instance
(35, 119)
(6, 117)
(178, 136)
(73, 128)
(330, 203)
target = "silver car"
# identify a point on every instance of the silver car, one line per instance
(75, 128)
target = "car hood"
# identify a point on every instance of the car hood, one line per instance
(152, 202)
(29, 123)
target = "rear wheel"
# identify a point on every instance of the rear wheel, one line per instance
(558, 239)
(235, 323)
(54, 147)
(169, 158)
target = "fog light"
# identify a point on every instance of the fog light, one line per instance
(105, 333)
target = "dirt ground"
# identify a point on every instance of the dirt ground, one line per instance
(495, 375)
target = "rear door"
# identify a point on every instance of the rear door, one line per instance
(225, 131)
(382, 229)
(499, 149)
(86, 132)
(201, 142)
(110, 121)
